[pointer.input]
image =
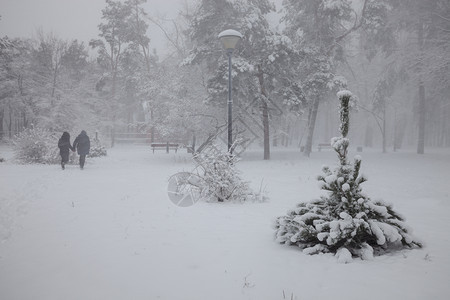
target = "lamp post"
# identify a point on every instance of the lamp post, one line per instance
(229, 40)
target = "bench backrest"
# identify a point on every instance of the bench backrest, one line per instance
(163, 145)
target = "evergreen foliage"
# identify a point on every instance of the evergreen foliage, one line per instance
(346, 220)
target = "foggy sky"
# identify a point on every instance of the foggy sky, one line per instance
(72, 19)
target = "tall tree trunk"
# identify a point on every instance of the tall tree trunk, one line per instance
(421, 138)
(399, 133)
(113, 105)
(193, 142)
(441, 129)
(265, 114)
(311, 125)
(368, 137)
(10, 122)
(113, 136)
(24, 118)
(2, 114)
(152, 129)
(288, 134)
(384, 133)
(445, 131)
(447, 135)
(142, 43)
(395, 143)
(55, 75)
(266, 131)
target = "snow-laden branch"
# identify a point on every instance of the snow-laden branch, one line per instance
(356, 25)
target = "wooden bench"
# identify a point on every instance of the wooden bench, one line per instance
(164, 146)
(323, 146)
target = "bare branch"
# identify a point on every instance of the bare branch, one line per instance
(166, 34)
(442, 17)
(356, 25)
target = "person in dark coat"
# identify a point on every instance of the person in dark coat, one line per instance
(64, 147)
(83, 145)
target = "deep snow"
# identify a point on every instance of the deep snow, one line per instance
(110, 232)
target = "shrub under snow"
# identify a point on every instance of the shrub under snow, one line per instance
(36, 145)
(346, 222)
(221, 181)
(97, 149)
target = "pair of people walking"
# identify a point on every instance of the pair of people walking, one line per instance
(81, 143)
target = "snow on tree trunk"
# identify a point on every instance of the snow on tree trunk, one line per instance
(346, 221)
(2, 113)
(422, 112)
(265, 114)
(311, 126)
(266, 131)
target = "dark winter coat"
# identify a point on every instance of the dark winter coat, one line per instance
(82, 143)
(64, 144)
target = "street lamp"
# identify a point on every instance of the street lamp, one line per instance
(229, 40)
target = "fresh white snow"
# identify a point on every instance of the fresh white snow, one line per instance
(110, 232)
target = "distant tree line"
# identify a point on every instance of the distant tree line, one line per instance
(393, 54)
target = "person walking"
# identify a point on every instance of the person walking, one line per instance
(64, 147)
(83, 145)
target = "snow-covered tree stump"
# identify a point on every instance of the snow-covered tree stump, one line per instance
(346, 221)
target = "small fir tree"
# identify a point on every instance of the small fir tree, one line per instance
(346, 221)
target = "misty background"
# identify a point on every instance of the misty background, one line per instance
(141, 71)
(74, 19)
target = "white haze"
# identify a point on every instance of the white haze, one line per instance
(69, 19)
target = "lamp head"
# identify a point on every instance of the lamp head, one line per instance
(230, 38)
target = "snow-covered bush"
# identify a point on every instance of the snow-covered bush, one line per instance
(36, 145)
(221, 179)
(97, 149)
(346, 221)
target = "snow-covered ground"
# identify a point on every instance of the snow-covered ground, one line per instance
(110, 232)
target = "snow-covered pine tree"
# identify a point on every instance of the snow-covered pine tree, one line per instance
(346, 221)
